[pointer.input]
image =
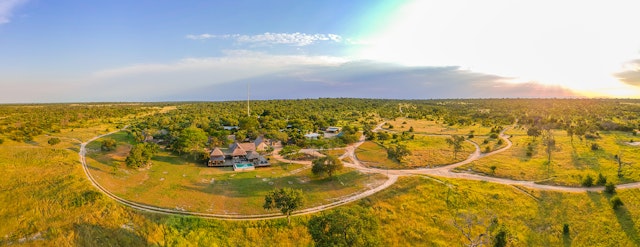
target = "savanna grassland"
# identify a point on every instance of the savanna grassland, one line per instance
(48, 201)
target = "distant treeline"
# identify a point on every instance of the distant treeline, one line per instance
(289, 120)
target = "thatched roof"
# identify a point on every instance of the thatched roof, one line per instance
(258, 140)
(216, 153)
(251, 155)
(238, 151)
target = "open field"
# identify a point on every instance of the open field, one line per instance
(416, 210)
(426, 151)
(570, 163)
(434, 127)
(171, 182)
(48, 201)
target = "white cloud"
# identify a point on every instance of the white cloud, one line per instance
(295, 39)
(6, 9)
(233, 65)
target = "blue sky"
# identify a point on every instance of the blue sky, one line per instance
(71, 51)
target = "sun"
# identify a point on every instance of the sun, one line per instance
(529, 42)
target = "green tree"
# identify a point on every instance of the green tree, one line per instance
(108, 144)
(141, 154)
(610, 188)
(587, 181)
(534, 132)
(456, 143)
(290, 152)
(191, 140)
(53, 141)
(286, 200)
(352, 226)
(328, 164)
(602, 180)
(398, 153)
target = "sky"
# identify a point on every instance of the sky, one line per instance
(161, 50)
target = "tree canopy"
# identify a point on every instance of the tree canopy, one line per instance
(348, 226)
(286, 200)
(326, 165)
(141, 154)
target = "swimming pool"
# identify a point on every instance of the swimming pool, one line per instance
(243, 167)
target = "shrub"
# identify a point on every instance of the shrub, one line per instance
(616, 202)
(1, 140)
(53, 141)
(500, 142)
(565, 229)
(610, 188)
(595, 147)
(587, 181)
(493, 168)
(493, 136)
(487, 149)
(602, 180)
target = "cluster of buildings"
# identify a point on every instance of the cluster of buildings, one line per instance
(240, 153)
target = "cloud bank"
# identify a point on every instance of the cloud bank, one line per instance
(295, 39)
(275, 77)
(6, 9)
(631, 75)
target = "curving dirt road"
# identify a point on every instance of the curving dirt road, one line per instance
(393, 175)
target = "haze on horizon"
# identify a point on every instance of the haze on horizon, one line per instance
(80, 51)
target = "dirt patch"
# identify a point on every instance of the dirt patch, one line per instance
(121, 153)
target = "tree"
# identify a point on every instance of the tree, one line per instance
(616, 202)
(610, 188)
(618, 158)
(191, 140)
(352, 226)
(602, 180)
(108, 144)
(398, 153)
(587, 181)
(290, 151)
(141, 154)
(456, 143)
(550, 143)
(571, 133)
(328, 164)
(286, 200)
(53, 141)
(533, 132)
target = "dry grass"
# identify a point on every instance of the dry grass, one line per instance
(570, 163)
(172, 182)
(434, 127)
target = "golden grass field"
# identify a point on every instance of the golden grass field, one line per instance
(48, 201)
(570, 163)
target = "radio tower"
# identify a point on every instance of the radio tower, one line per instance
(248, 112)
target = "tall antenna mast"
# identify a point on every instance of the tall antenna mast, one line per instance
(248, 112)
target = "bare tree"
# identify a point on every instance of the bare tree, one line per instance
(550, 143)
